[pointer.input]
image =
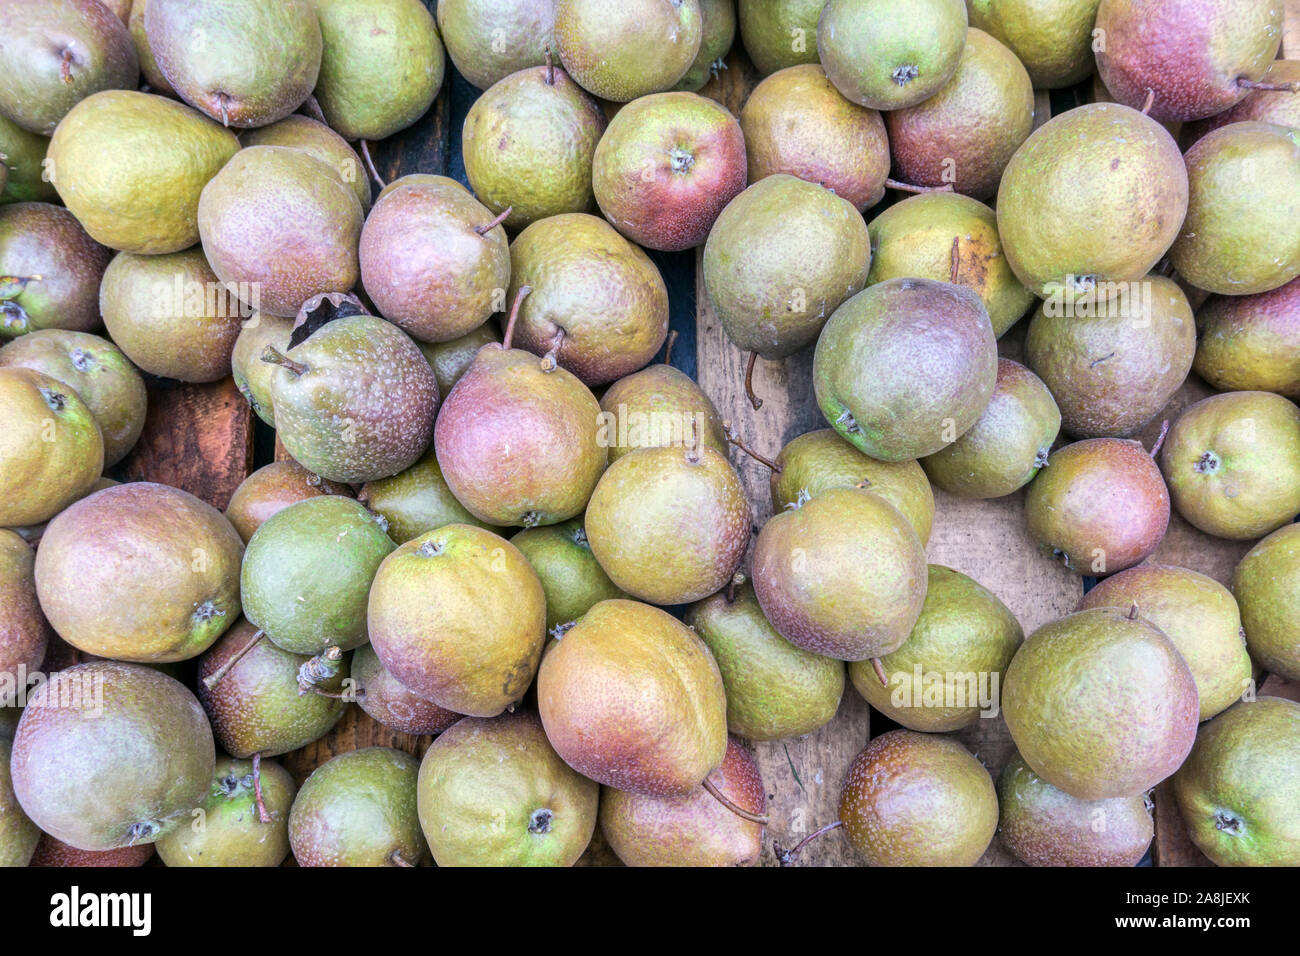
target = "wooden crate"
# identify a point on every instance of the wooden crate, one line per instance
(200, 438)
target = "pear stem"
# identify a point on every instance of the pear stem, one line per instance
(910, 188)
(397, 859)
(1266, 86)
(749, 382)
(879, 668)
(488, 227)
(514, 314)
(550, 67)
(721, 797)
(262, 813)
(736, 581)
(1133, 612)
(668, 347)
(1149, 101)
(693, 449)
(955, 270)
(1160, 441)
(276, 357)
(65, 67)
(786, 857)
(734, 439)
(370, 164)
(215, 678)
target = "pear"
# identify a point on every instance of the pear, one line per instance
(666, 166)
(779, 260)
(516, 439)
(100, 375)
(922, 235)
(233, 831)
(381, 67)
(51, 450)
(1236, 789)
(1112, 368)
(318, 141)
(796, 122)
(475, 650)
(23, 629)
(528, 144)
(1007, 445)
(1251, 342)
(717, 33)
(779, 35)
(359, 809)
(967, 132)
(571, 577)
(433, 259)
(1198, 614)
(1264, 584)
(388, 702)
(1099, 506)
(131, 166)
(913, 799)
(141, 745)
(55, 54)
(1093, 198)
(1242, 232)
(818, 460)
(242, 62)
(1078, 701)
(964, 637)
(659, 405)
(843, 575)
(140, 572)
(250, 690)
(52, 269)
(1193, 58)
(694, 829)
(450, 360)
(488, 40)
(598, 305)
(1053, 40)
(774, 689)
(253, 377)
(23, 165)
(52, 852)
(887, 55)
(150, 73)
(1267, 104)
(307, 572)
(1044, 826)
(171, 315)
(669, 525)
(355, 401)
(279, 224)
(492, 792)
(623, 52)
(18, 835)
(632, 699)
(271, 489)
(1233, 464)
(906, 367)
(415, 501)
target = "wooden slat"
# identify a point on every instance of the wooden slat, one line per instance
(196, 437)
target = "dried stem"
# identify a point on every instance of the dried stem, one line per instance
(262, 813)
(734, 439)
(215, 678)
(749, 382)
(514, 314)
(1160, 441)
(276, 357)
(721, 797)
(910, 188)
(370, 164)
(1268, 86)
(668, 347)
(786, 857)
(878, 666)
(485, 229)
